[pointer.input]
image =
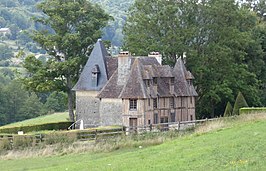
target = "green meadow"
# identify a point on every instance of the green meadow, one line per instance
(235, 146)
(52, 118)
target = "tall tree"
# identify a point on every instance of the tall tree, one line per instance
(76, 25)
(216, 37)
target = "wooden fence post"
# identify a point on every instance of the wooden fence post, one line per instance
(95, 134)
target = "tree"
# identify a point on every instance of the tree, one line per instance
(228, 110)
(56, 102)
(159, 26)
(239, 103)
(217, 38)
(31, 108)
(76, 26)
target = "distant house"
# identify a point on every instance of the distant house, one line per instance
(133, 91)
(5, 31)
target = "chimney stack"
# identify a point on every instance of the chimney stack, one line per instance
(156, 55)
(124, 62)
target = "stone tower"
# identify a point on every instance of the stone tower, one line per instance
(92, 79)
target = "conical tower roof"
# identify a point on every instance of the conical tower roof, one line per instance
(97, 60)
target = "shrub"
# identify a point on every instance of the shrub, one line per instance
(31, 128)
(60, 137)
(228, 110)
(23, 141)
(239, 103)
(252, 110)
(5, 144)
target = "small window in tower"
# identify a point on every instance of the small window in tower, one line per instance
(148, 83)
(172, 102)
(154, 103)
(149, 102)
(155, 81)
(172, 80)
(133, 104)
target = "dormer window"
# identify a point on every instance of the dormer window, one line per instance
(95, 75)
(155, 81)
(148, 83)
(172, 80)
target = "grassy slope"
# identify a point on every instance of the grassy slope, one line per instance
(57, 117)
(241, 147)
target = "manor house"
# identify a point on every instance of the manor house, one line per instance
(133, 91)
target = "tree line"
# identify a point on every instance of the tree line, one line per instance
(17, 103)
(221, 41)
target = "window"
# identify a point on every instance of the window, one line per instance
(148, 83)
(154, 103)
(172, 116)
(191, 117)
(155, 118)
(133, 104)
(191, 100)
(149, 102)
(172, 80)
(155, 81)
(164, 102)
(172, 102)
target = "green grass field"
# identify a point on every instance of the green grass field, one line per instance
(241, 146)
(52, 118)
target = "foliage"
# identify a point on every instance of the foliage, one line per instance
(217, 39)
(252, 110)
(117, 9)
(5, 52)
(16, 102)
(228, 110)
(56, 102)
(75, 26)
(37, 127)
(239, 103)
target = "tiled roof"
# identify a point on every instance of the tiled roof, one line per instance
(135, 87)
(112, 64)
(97, 57)
(182, 88)
(111, 89)
(142, 69)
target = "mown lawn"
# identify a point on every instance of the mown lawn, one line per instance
(241, 147)
(52, 118)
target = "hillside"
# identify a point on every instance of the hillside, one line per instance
(240, 146)
(17, 17)
(51, 118)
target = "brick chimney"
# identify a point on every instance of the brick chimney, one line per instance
(124, 62)
(156, 55)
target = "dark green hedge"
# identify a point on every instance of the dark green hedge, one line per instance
(31, 128)
(251, 110)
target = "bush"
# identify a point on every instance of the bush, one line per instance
(23, 141)
(228, 110)
(252, 110)
(60, 137)
(32, 128)
(239, 103)
(5, 144)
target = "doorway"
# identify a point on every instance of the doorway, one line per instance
(133, 123)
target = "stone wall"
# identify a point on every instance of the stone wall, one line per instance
(87, 108)
(111, 112)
